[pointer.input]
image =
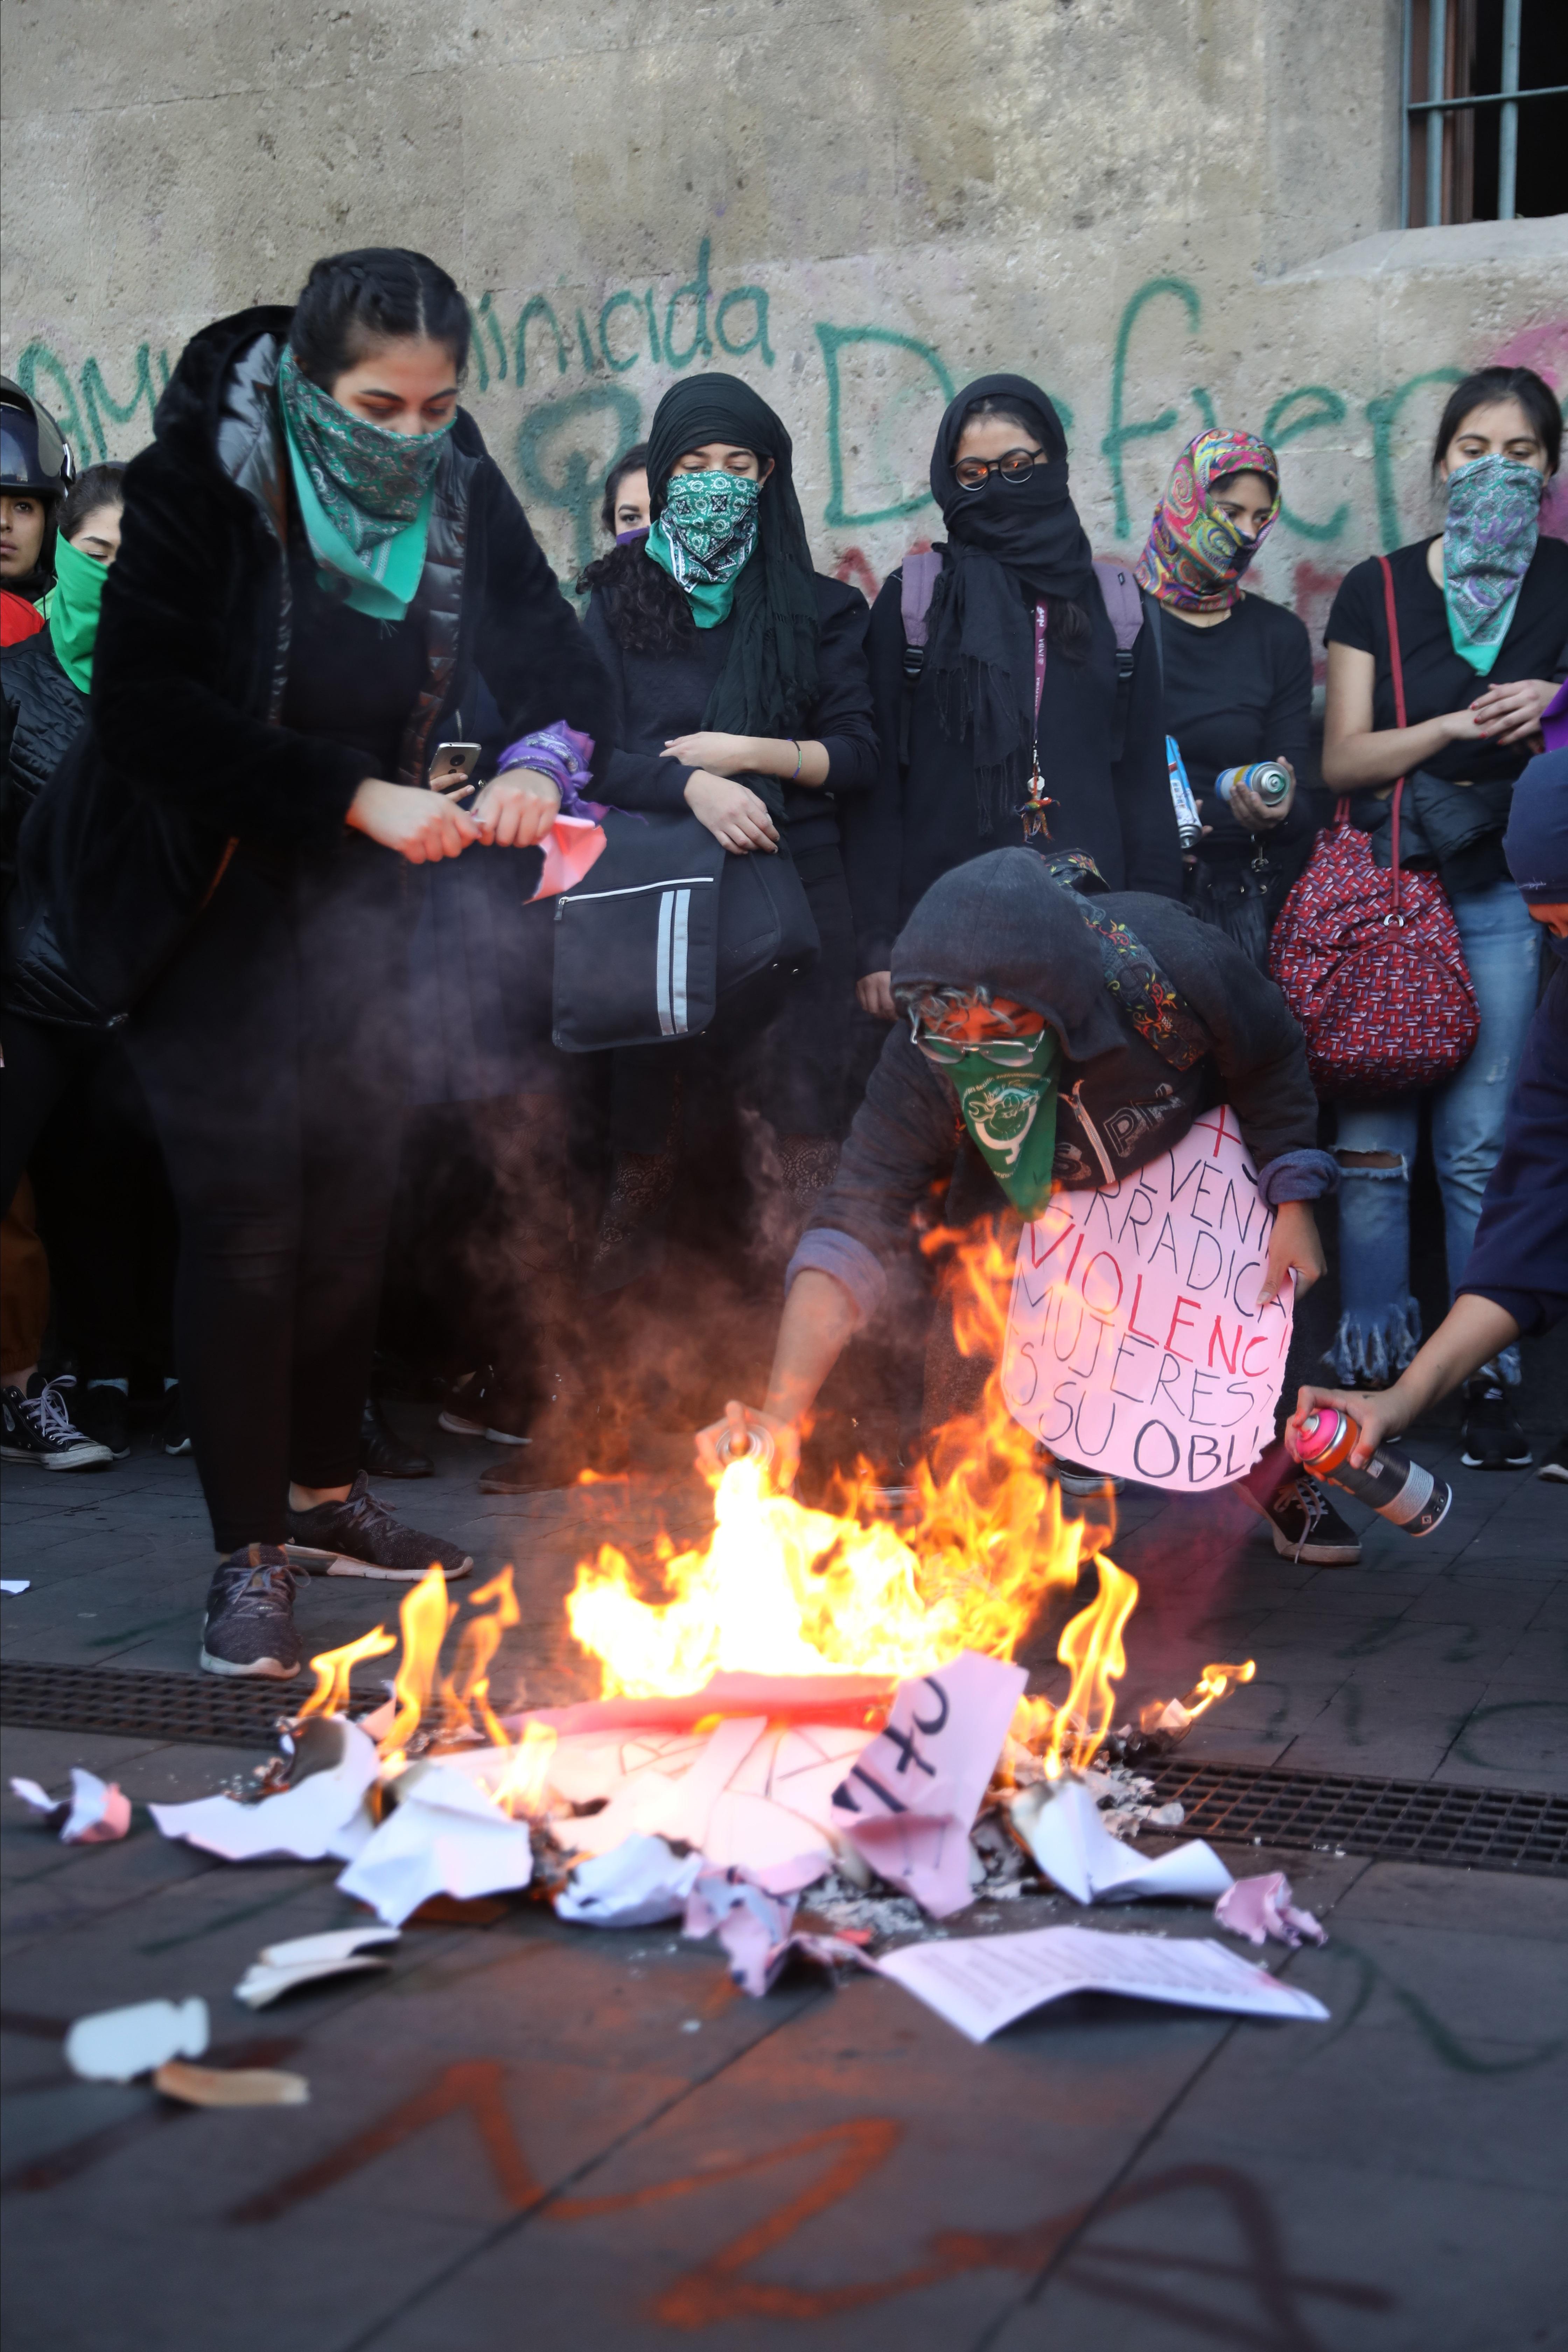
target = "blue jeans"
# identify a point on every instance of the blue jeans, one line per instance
(1380, 1324)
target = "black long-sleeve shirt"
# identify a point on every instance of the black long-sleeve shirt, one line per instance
(924, 819)
(662, 695)
(1239, 691)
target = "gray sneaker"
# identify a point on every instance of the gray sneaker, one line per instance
(360, 1536)
(249, 1627)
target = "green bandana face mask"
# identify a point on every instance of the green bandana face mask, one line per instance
(1011, 1115)
(1488, 542)
(365, 493)
(704, 539)
(74, 606)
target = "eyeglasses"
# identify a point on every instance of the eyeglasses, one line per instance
(970, 473)
(1002, 1053)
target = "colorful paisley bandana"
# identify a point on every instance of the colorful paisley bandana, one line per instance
(1011, 1115)
(1488, 542)
(1195, 558)
(371, 483)
(704, 537)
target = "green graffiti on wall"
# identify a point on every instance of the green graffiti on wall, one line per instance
(556, 471)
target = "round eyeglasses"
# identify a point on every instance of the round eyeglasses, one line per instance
(1017, 466)
(1002, 1053)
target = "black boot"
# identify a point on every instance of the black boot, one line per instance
(382, 1452)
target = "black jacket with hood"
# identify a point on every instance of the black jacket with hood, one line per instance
(1002, 922)
(184, 758)
(40, 714)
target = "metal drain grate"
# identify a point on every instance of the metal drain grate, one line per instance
(1394, 1821)
(195, 1707)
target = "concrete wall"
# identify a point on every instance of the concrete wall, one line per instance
(1167, 211)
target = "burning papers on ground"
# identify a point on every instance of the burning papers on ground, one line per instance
(95, 1813)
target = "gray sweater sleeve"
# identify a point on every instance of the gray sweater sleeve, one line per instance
(898, 1151)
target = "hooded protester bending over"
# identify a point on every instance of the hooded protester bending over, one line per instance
(317, 555)
(744, 698)
(1070, 1038)
(1020, 665)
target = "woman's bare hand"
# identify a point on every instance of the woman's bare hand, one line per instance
(874, 994)
(733, 813)
(729, 1440)
(1376, 1417)
(721, 755)
(1294, 1248)
(517, 810)
(422, 827)
(1261, 816)
(1510, 712)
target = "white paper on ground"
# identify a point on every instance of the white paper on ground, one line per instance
(1135, 1341)
(307, 1958)
(15, 1583)
(307, 1822)
(981, 1983)
(910, 1801)
(635, 1884)
(755, 1926)
(96, 1812)
(115, 2045)
(1260, 1907)
(1061, 1824)
(444, 1837)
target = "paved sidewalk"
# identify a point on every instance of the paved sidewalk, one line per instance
(534, 2135)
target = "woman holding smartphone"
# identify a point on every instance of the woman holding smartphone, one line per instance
(318, 553)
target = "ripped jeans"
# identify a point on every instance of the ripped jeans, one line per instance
(1380, 1323)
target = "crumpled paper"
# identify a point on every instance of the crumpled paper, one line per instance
(115, 2045)
(910, 1800)
(1260, 1907)
(95, 1813)
(637, 1883)
(306, 1959)
(1060, 1823)
(445, 1836)
(756, 1929)
(321, 1812)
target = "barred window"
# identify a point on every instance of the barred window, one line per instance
(1485, 127)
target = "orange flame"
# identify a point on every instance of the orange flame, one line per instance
(1179, 1715)
(521, 1788)
(466, 1690)
(424, 1616)
(332, 1668)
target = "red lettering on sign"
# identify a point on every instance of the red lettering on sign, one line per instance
(1216, 1339)
(1132, 1318)
(1067, 1227)
(1219, 1132)
(1179, 1323)
(1257, 1340)
(1109, 1307)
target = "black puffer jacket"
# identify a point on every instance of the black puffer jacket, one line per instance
(43, 712)
(185, 756)
(1003, 923)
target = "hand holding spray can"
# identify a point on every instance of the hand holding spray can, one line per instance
(1266, 779)
(1398, 1489)
(1189, 824)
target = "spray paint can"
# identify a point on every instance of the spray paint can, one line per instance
(1266, 779)
(1189, 824)
(758, 1447)
(1398, 1489)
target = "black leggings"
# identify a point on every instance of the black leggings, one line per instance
(273, 1051)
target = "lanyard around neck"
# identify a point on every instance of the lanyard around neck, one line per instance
(1032, 810)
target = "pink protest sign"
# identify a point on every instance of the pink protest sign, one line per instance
(1135, 1341)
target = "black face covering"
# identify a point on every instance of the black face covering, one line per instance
(1010, 545)
(769, 684)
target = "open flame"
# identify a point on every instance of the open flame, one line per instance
(782, 1588)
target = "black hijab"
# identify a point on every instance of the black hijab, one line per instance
(1010, 546)
(769, 685)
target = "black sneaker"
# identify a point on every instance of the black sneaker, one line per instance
(1493, 1438)
(479, 1406)
(382, 1453)
(249, 1624)
(38, 1429)
(176, 1438)
(104, 1412)
(1305, 1525)
(360, 1536)
(1555, 1465)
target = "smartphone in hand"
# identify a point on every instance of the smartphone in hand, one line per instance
(452, 769)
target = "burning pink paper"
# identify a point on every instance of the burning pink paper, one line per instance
(910, 1800)
(1260, 1907)
(757, 1929)
(572, 846)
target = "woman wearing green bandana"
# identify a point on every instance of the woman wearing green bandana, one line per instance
(1052, 1034)
(1481, 612)
(320, 561)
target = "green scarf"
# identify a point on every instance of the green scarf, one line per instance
(1011, 1115)
(72, 608)
(365, 494)
(704, 537)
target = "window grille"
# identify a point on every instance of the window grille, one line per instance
(1484, 126)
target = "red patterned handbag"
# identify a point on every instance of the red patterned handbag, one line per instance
(1369, 963)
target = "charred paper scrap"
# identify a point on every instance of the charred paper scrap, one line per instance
(95, 1813)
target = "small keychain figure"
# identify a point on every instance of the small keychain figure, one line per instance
(1032, 810)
